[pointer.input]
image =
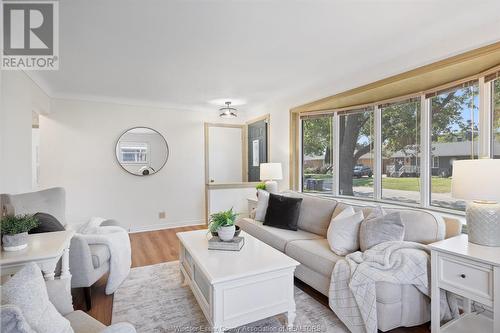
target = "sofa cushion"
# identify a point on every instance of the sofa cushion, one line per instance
(314, 253)
(421, 226)
(282, 212)
(387, 292)
(277, 238)
(315, 212)
(99, 254)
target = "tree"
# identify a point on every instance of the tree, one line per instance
(317, 138)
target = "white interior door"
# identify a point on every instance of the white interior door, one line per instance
(225, 154)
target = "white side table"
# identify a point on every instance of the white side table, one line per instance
(252, 204)
(44, 249)
(471, 271)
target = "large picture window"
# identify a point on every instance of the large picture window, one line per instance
(495, 108)
(401, 151)
(317, 154)
(356, 135)
(454, 136)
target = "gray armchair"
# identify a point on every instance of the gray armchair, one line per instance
(87, 263)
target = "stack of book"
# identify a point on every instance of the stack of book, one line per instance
(235, 244)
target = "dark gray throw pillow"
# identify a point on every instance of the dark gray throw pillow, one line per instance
(282, 212)
(379, 228)
(46, 223)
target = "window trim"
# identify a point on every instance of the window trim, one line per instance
(140, 145)
(485, 137)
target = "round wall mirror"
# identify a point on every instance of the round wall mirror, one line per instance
(142, 151)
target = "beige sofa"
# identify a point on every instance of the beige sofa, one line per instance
(396, 305)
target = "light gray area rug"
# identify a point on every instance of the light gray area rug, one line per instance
(153, 300)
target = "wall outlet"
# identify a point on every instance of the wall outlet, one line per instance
(162, 215)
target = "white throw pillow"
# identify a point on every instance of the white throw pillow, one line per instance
(26, 290)
(343, 232)
(260, 211)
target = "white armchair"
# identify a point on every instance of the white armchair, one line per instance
(87, 263)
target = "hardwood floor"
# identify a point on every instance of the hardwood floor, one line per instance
(148, 248)
(154, 247)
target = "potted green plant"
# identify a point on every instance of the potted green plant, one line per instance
(260, 186)
(15, 229)
(223, 224)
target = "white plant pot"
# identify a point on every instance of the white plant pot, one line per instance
(15, 242)
(226, 233)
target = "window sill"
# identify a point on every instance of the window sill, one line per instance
(444, 212)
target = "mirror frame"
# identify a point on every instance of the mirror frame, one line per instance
(152, 129)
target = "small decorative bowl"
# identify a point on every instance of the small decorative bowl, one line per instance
(236, 234)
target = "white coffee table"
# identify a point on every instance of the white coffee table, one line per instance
(237, 288)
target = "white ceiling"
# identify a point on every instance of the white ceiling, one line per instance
(185, 53)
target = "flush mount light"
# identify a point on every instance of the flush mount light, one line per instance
(228, 111)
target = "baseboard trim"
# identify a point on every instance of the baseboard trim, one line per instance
(167, 225)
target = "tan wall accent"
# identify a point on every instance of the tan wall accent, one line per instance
(414, 81)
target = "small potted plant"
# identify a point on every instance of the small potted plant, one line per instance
(15, 229)
(223, 224)
(260, 186)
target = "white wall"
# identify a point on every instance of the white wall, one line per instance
(78, 152)
(19, 97)
(225, 198)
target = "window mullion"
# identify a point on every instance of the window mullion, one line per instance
(425, 152)
(336, 154)
(485, 121)
(377, 181)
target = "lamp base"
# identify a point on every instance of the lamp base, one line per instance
(483, 223)
(272, 186)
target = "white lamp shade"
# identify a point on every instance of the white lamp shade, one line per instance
(270, 171)
(476, 180)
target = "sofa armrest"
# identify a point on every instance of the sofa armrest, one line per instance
(453, 227)
(119, 328)
(80, 261)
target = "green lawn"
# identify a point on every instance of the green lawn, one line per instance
(318, 175)
(438, 184)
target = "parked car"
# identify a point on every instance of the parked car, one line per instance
(361, 170)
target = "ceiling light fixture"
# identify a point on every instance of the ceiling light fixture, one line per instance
(228, 111)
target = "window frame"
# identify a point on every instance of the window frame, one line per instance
(489, 95)
(140, 145)
(426, 161)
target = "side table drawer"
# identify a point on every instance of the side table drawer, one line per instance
(476, 278)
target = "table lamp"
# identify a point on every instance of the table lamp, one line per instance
(478, 181)
(270, 172)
